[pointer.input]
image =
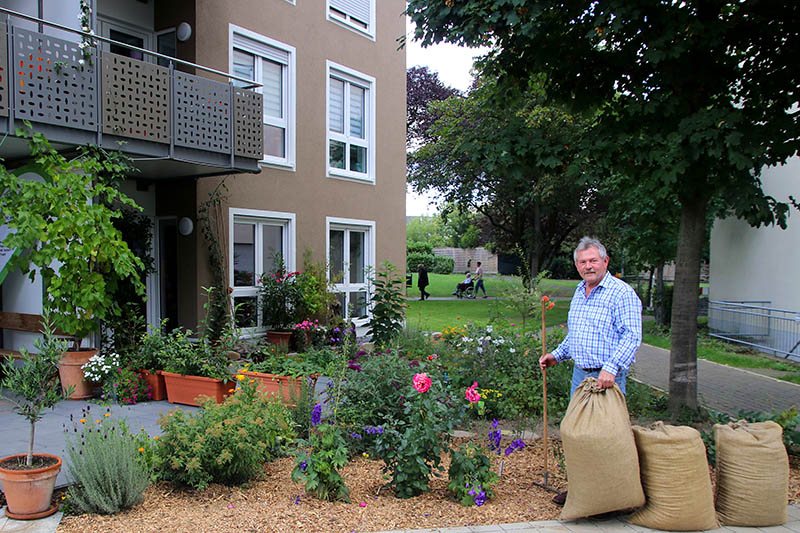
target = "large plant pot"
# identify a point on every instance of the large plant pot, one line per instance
(28, 492)
(186, 389)
(288, 389)
(70, 373)
(279, 338)
(157, 386)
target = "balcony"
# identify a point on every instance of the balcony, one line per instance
(171, 123)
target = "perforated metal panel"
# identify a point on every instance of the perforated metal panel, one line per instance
(3, 70)
(248, 132)
(135, 98)
(50, 84)
(202, 113)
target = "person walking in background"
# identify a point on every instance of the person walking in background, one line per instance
(422, 281)
(479, 280)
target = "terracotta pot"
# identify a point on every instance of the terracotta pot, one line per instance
(156, 382)
(288, 389)
(69, 370)
(279, 338)
(28, 492)
(186, 389)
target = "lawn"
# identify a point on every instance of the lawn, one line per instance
(435, 315)
(443, 285)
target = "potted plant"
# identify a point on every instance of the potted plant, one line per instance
(148, 361)
(62, 226)
(281, 296)
(282, 376)
(27, 478)
(194, 368)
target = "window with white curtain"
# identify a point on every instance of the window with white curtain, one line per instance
(358, 15)
(351, 124)
(270, 63)
(258, 239)
(351, 255)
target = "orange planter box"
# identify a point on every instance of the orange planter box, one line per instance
(288, 389)
(186, 389)
(157, 385)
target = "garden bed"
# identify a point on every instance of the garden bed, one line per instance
(272, 504)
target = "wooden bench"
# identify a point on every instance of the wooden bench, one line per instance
(20, 322)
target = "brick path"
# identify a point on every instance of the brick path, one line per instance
(723, 388)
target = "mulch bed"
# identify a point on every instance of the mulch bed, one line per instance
(275, 503)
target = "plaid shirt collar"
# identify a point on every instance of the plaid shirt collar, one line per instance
(603, 283)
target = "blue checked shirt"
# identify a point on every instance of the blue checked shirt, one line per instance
(605, 329)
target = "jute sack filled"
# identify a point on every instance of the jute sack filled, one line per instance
(752, 474)
(675, 479)
(602, 465)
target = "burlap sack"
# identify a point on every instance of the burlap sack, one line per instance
(752, 474)
(675, 479)
(602, 465)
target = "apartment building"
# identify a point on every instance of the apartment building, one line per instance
(297, 106)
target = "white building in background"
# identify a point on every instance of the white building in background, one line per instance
(760, 264)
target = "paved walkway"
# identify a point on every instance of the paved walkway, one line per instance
(720, 387)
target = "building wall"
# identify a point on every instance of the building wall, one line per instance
(760, 263)
(306, 191)
(467, 259)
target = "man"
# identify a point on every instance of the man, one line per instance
(479, 278)
(422, 282)
(604, 325)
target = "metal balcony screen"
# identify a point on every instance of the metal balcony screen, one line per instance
(3, 71)
(249, 140)
(202, 113)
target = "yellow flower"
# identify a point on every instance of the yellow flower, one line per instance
(366, 455)
(107, 414)
(97, 421)
(156, 437)
(141, 450)
(240, 377)
(82, 420)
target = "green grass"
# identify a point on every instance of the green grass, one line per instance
(435, 315)
(725, 353)
(442, 285)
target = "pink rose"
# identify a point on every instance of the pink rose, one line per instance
(421, 382)
(471, 394)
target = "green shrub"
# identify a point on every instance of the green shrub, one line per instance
(443, 264)
(470, 475)
(413, 261)
(223, 443)
(317, 467)
(418, 247)
(104, 462)
(388, 304)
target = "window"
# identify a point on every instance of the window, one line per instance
(351, 254)
(351, 124)
(357, 15)
(256, 238)
(270, 63)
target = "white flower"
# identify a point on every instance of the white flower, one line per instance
(512, 350)
(80, 62)
(489, 329)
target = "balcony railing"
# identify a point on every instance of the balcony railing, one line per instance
(172, 123)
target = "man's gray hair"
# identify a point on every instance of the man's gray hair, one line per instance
(588, 242)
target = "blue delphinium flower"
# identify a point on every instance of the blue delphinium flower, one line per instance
(303, 465)
(480, 498)
(316, 415)
(494, 437)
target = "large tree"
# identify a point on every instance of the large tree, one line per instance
(701, 93)
(507, 159)
(423, 86)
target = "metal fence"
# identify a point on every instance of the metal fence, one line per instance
(754, 323)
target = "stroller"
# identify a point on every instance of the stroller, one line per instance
(465, 289)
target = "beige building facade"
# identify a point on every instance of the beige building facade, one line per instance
(295, 110)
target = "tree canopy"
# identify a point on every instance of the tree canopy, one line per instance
(698, 95)
(423, 86)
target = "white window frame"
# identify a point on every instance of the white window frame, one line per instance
(106, 24)
(346, 21)
(351, 224)
(289, 93)
(288, 221)
(366, 82)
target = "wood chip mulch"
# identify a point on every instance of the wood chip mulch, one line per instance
(275, 503)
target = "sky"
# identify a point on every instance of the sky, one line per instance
(453, 64)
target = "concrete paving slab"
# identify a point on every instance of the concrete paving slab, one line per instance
(43, 525)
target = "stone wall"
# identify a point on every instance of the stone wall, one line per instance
(467, 259)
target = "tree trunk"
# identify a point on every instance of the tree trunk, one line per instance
(683, 340)
(659, 301)
(29, 458)
(649, 299)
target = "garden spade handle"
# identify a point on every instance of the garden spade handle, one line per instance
(544, 393)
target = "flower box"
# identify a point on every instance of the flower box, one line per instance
(287, 388)
(186, 389)
(157, 385)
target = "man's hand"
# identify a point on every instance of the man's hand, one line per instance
(547, 360)
(605, 380)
